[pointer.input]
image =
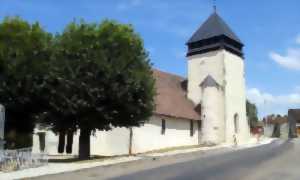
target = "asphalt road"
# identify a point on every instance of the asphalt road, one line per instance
(276, 161)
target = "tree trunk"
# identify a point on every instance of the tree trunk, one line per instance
(84, 144)
(276, 131)
(130, 140)
(61, 142)
(69, 142)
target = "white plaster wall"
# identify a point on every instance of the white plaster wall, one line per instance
(213, 124)
(199, 66)
(268, 130)
(177, 133)
(109, 143)
(51, 143)
(35, 143)
(284, 131)
(116, 142)
(235, 97)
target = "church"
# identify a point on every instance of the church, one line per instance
(208, 107)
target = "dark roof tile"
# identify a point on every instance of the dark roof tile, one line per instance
(214, 26)
(171, 99)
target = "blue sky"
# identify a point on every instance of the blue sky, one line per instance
(269, 29)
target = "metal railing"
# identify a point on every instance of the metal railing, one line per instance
(11, 160)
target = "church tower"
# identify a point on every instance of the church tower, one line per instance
(216, 81)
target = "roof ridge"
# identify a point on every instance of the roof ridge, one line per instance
(220, 20)
(169, 73)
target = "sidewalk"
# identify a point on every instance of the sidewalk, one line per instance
(252, 143)
(55, 168)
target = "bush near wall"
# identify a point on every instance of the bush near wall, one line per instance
(16, 140)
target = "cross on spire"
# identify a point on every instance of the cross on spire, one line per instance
(215, 5)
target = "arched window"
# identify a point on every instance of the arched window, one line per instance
(236, 123)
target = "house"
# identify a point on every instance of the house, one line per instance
(276, 126)
(294, 122)
(208, 107)
(258, 128)
(175, 121)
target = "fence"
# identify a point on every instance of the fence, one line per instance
(11, 160)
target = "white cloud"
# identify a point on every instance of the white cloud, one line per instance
(298, 39)
(291, 60)
(273, 104)
(127, 4)
(297, 89)
(257, 97)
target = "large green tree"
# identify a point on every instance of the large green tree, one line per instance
(24, 49)
(251, 113)
(100, 78)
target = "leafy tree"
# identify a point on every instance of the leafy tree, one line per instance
(276, 131)
(100, 78)
(251, 113)
(24, 48)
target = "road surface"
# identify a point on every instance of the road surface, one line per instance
(276, 161)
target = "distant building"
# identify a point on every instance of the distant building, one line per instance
(209, 107)
(276, 126)
(294, 122)
(258, 128)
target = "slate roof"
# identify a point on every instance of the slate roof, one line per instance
(171, 99)
(214, 26)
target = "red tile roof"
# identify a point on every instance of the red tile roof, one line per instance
(275, 120)
(171, 99)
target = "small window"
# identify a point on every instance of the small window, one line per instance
(163, 126)
(191, 128)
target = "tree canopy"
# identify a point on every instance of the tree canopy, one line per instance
(100, 78)
(24, 51)
(89, 77)
(251, 113)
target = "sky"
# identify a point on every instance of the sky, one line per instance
(269, 29)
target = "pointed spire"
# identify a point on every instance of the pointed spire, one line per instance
(212, 35)
(214, 26)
